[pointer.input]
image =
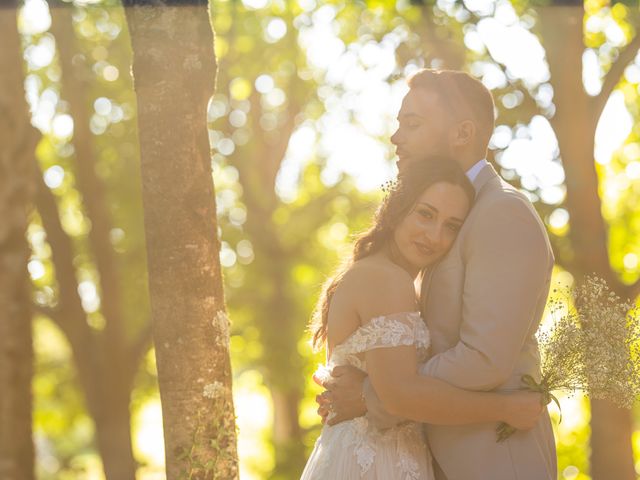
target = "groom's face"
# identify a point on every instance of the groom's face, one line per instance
(423, 128)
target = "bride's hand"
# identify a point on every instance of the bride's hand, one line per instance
(523, 409)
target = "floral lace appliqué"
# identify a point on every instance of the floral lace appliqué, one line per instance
(358, 440)
(407, 463)
(399, 329)
(365, 455)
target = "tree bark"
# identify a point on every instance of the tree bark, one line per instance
(174, 73)
(18, 140)
(574, 123)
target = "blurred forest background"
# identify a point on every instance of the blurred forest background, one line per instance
(305, 102)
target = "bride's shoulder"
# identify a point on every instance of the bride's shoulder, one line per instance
(379, 288)
(373, 273)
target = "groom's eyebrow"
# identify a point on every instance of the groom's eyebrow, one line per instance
(455, 219)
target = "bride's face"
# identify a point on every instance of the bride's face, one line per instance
(431, 226)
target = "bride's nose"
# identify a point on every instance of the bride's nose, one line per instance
(434, 234)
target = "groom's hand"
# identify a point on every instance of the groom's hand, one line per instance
(523, 409)
(343, 397)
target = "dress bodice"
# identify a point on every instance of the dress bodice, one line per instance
(397, 329)
(356, 449)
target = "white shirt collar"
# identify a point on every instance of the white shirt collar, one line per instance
(473, 172)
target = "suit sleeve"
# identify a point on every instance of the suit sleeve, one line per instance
(507, 270)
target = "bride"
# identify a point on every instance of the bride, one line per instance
(368, 317)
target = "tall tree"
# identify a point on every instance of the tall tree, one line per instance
(575, 121)
(107, 360)
(18, 141)
(174, 72)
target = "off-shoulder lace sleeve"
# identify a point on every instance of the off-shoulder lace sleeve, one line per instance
(393, 330)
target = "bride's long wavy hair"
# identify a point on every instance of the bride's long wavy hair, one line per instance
(400, 200)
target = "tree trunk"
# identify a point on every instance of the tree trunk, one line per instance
(107, 399)
(17, 139)
(574, 123)
(106, 385)
(174, 73)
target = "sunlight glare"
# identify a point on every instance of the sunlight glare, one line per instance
(359, 156)
(62, 125)
(36, 269)
(276, 29)
(301, 147)
(559, 218)
(34, 17)
(264, 83)
(633, 170)
(89, 296)
(507, 45)
(149, 436)
(630, 261)
(613, 128)
(591, 72)
(254, 413)
(255, 4)
(322, 45)
(102, 106)
(41, 54)
(54, 176)
(110, 73)
(480, 7)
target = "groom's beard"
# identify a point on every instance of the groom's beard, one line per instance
(403, 162)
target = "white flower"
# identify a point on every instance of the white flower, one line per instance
(214, 390)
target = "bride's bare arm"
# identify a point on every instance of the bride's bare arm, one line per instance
(403, 392)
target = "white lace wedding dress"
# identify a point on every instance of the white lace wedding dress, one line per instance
(355, 449)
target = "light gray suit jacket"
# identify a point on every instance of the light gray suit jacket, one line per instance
(483, 303)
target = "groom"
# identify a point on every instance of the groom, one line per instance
(482, 303)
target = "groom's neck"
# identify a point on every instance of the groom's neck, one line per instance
(468, 159)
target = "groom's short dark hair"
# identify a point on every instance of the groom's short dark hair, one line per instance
(463, 95)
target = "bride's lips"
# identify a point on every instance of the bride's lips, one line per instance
(423, 249)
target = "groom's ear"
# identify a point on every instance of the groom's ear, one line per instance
(465, 133)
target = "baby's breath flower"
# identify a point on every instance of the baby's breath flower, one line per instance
(389, 186)
(593, 346)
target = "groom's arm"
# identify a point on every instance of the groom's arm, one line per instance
(507, 272)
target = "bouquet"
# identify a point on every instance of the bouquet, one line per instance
(593, 346)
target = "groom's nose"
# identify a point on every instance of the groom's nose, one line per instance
(395, 138)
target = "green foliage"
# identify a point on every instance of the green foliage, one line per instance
(62, 429)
